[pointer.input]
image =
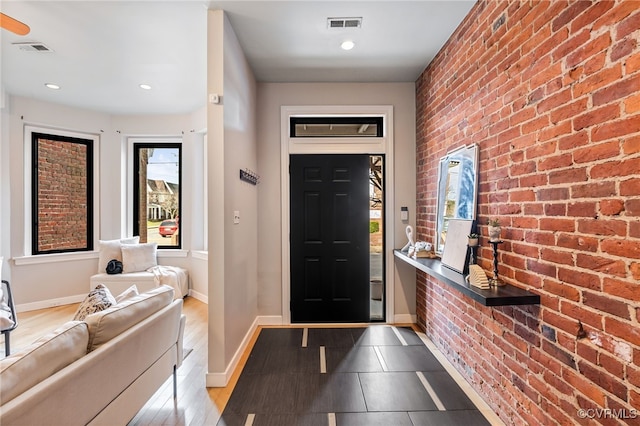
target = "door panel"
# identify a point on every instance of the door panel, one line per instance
(329, 238)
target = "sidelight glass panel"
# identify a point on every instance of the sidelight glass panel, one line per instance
(376, 237)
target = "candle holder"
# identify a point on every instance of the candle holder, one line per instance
(496, 281)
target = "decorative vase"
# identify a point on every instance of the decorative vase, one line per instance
(473, 242)
(494, 233)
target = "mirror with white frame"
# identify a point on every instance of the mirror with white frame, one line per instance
(457, 190)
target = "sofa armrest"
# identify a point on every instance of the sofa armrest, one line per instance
(183, 320)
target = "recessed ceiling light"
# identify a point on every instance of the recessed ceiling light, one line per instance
(145, 87)
(347, 45)
(52, 86)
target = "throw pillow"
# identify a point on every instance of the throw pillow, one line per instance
(138, 257)
(110, 249)
(127, 294)
(98, 299)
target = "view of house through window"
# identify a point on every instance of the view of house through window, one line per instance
(157, 193)
(62, 194)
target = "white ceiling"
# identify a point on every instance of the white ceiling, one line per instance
(102, 50)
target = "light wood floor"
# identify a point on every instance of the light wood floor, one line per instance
(196, 405)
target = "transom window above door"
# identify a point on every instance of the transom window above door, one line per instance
(336, 127)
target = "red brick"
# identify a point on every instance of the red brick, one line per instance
(606, 304)
(560, 289)
(594, 393)
(632, 207)
(555, 162)
(597, 80)
(616, 129)
(617, 14)
(569, 14)
(611, 207)
(557, 224)
(630, 187)
(618, 90)
(634, 268)
(632, 104)
(627, 26)
(587, 351)
(621, 288)
(582, 209)
(612, 365)
(601, 264)
(582, 279)
(588, 50)
(556, 209)
(553, 194)
(585, 316)
(577, 242)
(596, 116)
(569, 110)
(590, 15)
(557, 256)
(603, 227)
(604, 380)
(632, 64)
(573, 141)
(625, 330)
(577, 174)
(631, 145)
(554, 101)
(623, 48)
(634, 229)
(593, 190)
(623, 248)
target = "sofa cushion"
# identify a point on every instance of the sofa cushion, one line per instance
(107, 324)
(110, 249)
(139, 257)
(47, 355)
(98, 299)
(127, 294)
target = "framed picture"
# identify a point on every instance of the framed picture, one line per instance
(454, 255)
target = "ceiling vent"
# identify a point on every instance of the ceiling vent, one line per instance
(344, 22)
(32, 46)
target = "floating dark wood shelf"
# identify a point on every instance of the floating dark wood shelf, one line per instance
(495, 296)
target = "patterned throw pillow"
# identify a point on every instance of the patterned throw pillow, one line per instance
(98, 299)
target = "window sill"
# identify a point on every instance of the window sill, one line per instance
(55, 257)
(70, 257)
(200, 254)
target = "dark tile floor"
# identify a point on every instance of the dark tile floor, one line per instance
(379, 375)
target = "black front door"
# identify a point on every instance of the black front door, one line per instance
(329, 238)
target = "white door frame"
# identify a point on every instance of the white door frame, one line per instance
(383, 145)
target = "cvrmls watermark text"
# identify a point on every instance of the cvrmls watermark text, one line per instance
(607, 413)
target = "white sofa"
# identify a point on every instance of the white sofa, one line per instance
(176, 277)
(139, 267)
(99, 371)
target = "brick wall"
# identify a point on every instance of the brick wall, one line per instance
(551, 93)
(62, 195)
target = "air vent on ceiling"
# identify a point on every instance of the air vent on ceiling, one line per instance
(344, 22)
(32, 46)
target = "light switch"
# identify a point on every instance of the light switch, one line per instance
(236, 217)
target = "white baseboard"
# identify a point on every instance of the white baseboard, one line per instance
(199, 296)
(404, 319)
(270, 320)
(51, 303)
(220, 380)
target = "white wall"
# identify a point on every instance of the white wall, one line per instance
(233, 250)
(271, 96)
(48, 280)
